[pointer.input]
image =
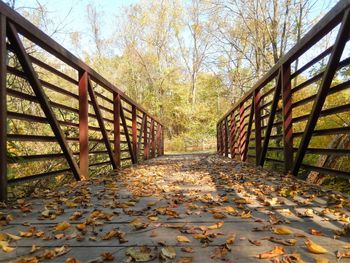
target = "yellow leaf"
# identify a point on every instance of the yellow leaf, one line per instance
(3, 237)
(183, 239)
(26, 234)
(217, 225)
(13, 237)
(4, 245)
(231, 239)
(321, 260)
(62, 226)
(315, 248)
(34, 248)
(282, 231)
(70, 204)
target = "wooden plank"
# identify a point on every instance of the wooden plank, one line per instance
(41, 96)
(3, 110)
(83, 125)
(323, 90)
(101, 124)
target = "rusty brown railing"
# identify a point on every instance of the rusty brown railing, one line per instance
(97, 125)
(277, 119)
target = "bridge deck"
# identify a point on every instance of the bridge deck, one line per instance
(195, 198)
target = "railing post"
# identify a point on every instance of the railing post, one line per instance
(257, 122)
(116, 113)
(145, 140)
(222, 138)
(162, 140)
(83, 125)
(232, 134)
(226, 136)
(287, 118)
(219, 139)
(153, 143)
(3, 110)
(134, 132)
(241, 131)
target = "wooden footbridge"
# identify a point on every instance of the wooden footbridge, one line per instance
(123, 200)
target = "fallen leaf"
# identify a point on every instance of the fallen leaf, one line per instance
(141, 254)
(183, 239)
(62, 226)
(315, 232)
(286, 242)
(231, 239)
(187, 249)
(219, 253)
(315, 248)
(282, 231)
(168, 252)
(277, 251)
(107, 256)
(185, 260)
(4, 245)
(34, 248)
(216, 226)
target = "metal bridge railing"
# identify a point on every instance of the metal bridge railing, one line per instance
(277, 119)
(61, 115)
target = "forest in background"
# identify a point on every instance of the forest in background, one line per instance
(186, 61)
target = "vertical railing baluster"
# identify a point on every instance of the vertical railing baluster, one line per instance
(162, 138)
(276, 97)
(3, 110)
(222, 137)
(116, 127)
(232, 134)
(249, 129)
(153, 145)
(241, 131)
(226, 136)
(83, 125)
(257, 122)
(287, 118)
(145, 140)
(134, 132)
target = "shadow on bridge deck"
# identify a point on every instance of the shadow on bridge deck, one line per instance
(195, 203)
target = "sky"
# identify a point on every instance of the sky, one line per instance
(70, 15)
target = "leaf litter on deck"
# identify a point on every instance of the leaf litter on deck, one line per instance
(185, 194)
